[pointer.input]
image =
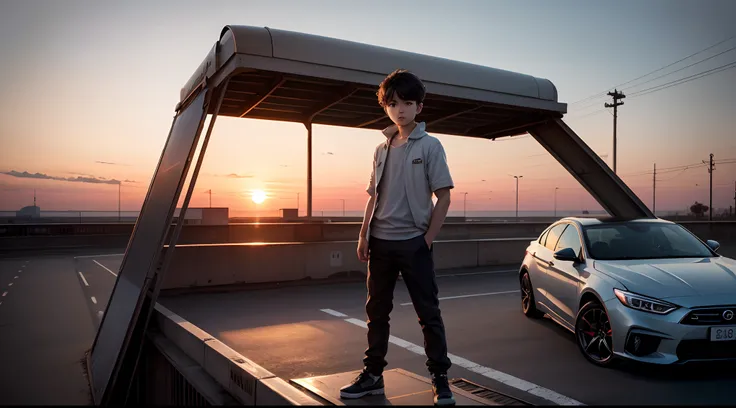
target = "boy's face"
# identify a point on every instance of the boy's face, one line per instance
(402, 112)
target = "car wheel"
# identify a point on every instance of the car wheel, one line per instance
(528, 304)
(594, 334)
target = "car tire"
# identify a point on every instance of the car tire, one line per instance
(594, 335)
(528, 304)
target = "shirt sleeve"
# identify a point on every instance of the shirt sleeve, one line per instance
(438, 170)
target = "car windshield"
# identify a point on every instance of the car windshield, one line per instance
(642, 240)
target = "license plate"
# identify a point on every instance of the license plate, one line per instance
(727, 333)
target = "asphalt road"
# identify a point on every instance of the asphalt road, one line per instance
(44, 333)
(51, 306)
(316, 330)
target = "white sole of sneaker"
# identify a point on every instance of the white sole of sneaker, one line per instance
(445, 402)
(379, 391)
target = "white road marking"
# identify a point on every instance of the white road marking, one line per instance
(94, 300)
(476, 273)
(99, 314)
(106, 268)
(19, 271)
(15, 277)
(495, 375)
(83, 280)
(96, 256)
(5, 293)
(473, 295)
(333, 312)
(10, 284)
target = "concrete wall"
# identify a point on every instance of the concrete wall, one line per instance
(22, 237)
(248, 263)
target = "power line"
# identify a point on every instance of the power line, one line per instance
(684, 80)
(656, 70)
(665, 85)
(685, 67)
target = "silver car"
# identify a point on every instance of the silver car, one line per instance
(647, 290)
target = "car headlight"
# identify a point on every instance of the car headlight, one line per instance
(643, 303)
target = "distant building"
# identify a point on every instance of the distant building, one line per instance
(204, 216)
(30, 211)
(290, 214)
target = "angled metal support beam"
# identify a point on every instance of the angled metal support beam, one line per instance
(589, 170)
(512, 131)
(372, 121)
(452, 115)
(274, 86)
(345, 93)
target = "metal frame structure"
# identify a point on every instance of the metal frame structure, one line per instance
(263, 73)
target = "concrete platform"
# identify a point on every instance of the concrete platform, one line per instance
(402, 388)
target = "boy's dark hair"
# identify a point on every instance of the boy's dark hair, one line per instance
(405, 84)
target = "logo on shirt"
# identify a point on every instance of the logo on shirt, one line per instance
(417, 161)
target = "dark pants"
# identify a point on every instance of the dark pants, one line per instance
(414, 260)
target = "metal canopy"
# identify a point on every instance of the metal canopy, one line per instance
(277, 75)
(286, 76)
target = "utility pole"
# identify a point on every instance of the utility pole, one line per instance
(120, 183)
(711, 167)
(734, 197)
(616, 95)
(556, 188)
(210, 192)
(654, 191)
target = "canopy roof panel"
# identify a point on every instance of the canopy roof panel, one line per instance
(287, 76)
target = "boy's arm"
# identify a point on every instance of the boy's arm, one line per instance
(371, 190)
(367, 216)
(438, 214)
(440, 182)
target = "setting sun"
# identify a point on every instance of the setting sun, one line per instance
(258, 196)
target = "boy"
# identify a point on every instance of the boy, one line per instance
(399, 226)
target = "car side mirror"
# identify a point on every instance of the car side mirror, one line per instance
(567, 254)
(714, 245)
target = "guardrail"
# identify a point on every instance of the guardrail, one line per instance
(26, 237)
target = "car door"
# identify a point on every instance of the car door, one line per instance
(564, 277)
(542, 256)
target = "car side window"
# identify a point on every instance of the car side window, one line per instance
(569, 239)
(543, 237)
(554, 235)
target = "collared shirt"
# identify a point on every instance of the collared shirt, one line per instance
(425, 171)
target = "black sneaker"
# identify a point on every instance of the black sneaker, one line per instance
(364, 384)
(441, 388)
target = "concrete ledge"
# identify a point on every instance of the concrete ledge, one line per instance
(275, 391)
(244, 380)
(188, 337)
(219, 265)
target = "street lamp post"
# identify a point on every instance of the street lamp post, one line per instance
(556, 188)
(120, 183)
(517, 196)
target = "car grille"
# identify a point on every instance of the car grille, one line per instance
(706, 350)
(712, 316)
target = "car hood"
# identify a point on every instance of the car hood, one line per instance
(669, 278)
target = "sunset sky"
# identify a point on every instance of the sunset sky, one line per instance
(89, 89)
